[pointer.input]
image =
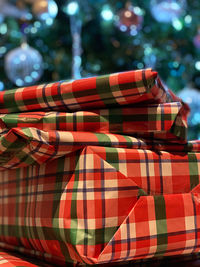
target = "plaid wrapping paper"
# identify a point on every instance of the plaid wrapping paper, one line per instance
(107, 91)
(10, 259)
(161, 121)
(75, 192)
(103, 204)
(20, 147)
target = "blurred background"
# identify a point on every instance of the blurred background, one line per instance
(50, 40)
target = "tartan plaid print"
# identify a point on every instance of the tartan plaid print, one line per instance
(9, 259)
(103, 204)
(20, 147)
(111, 90)
(87, 176)
(163, 121)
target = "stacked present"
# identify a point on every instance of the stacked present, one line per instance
(97, 171)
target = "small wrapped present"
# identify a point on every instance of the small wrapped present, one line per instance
(160, 121)
(114, 90)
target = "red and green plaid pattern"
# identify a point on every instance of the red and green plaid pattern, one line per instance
(162, 121)
(21, 147)
(112, 90)
(89, 173)
(103, 204)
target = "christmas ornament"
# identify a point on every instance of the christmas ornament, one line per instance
(45, 9)
(196, 40)
(167, 10)
(130, 19)
(23, 65)
(192, 97)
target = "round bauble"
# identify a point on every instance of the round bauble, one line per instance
(192, 97)
(23, 65)
(129, 21)
(167, 10)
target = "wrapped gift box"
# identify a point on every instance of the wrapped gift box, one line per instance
(20, 147)
(107, 91)
(162, 121)
(103, 204)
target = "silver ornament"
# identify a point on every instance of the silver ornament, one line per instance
(23, 65)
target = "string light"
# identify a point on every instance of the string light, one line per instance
(3, 50)
(197, 65)
(3, 28)
(188, 19)
(72, 8)
(52, 9)
(177, 24)
(107, 14)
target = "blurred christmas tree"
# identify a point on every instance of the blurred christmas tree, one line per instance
(81, 38)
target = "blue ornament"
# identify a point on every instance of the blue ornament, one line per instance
(192, 97)
(23, 65)
(167, 10)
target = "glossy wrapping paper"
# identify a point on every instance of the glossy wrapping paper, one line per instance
(114, 90)
(102, 183)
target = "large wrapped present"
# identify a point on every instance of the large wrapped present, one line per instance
(103, 204)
